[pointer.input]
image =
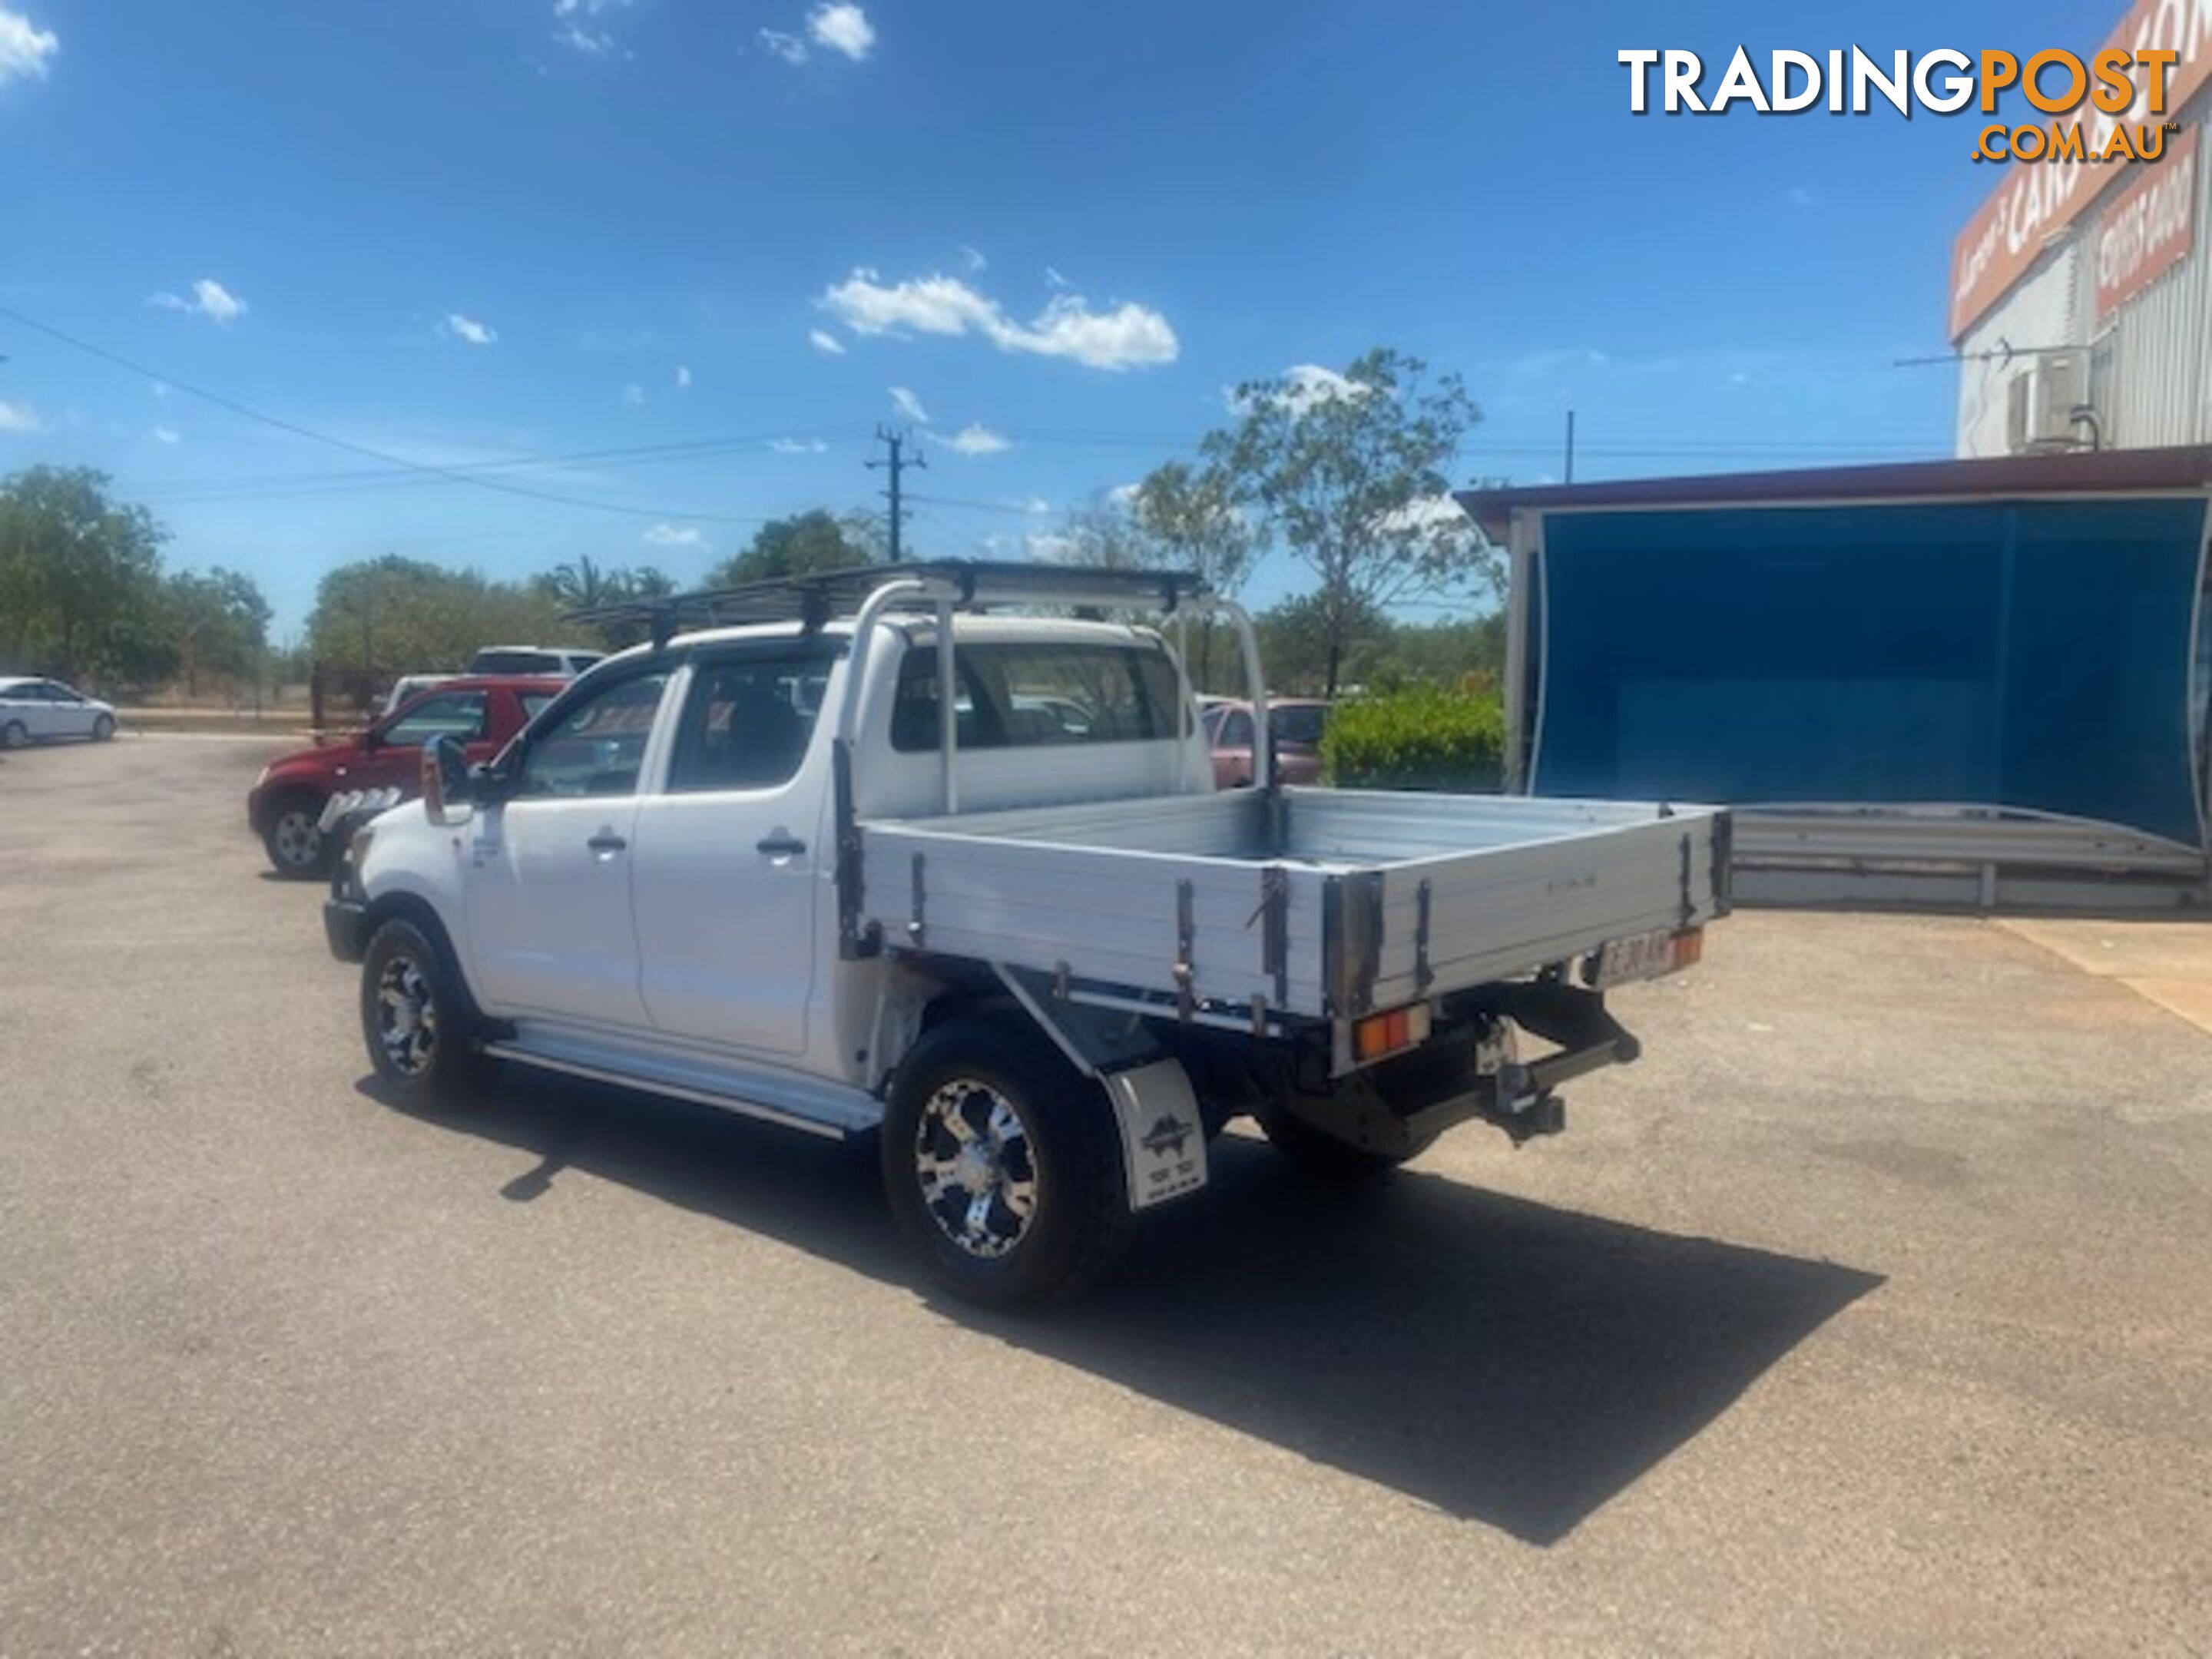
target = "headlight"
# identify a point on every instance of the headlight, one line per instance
(263, 779)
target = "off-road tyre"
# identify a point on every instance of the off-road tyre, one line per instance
(1068, 1155)
(417, 1019)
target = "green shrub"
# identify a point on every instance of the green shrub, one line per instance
(1423, 739)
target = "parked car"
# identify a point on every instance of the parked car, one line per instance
(286, 805)
(1295, 725)
(556, 660)
(740, 868)
(34, 710)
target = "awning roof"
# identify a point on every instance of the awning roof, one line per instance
(2110, 472)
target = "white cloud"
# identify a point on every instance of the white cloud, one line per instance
(633, 395)
(1305, 384)
(211, 299)
(1798, 197)
(1304, 387)
(672, 535)
(823, 340)
(683, 377)
(1430, 513)
(977, 441)
(19, 417)
(1036, 507)
(909, 406)
(26, 50)
(973, 259)
(1127, 335)
(1124, 495)
(843, 27)
(469, 329)
(1049, 545)
(798, 447)
(166, 435)
(581, 25)
(789, 47)
(1054, 279)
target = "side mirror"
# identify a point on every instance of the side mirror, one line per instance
(445, 780)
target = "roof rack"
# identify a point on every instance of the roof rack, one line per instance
(813, 600)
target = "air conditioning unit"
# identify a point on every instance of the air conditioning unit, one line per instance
(2043, 406)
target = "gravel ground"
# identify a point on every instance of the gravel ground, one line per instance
(1865, 1315)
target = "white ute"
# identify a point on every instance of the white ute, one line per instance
(898, 854)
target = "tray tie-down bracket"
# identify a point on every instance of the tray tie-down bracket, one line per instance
(1273, 917)
(1185, 972)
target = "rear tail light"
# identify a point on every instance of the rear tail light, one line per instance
(1380, 1035)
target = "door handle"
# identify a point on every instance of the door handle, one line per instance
(606, 841)
(780, 847)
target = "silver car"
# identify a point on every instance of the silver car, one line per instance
(33, 710)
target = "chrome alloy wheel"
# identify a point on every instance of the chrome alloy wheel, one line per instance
(978, 1175)
(298, 838)
(406, 1015)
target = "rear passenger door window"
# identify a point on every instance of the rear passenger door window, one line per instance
(748, 721)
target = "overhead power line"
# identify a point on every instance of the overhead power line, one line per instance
(295, 483)
(278, 423)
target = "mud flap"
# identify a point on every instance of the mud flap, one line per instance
(1163, 1137)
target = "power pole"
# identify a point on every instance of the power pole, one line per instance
(895, 463)
(1571, 445)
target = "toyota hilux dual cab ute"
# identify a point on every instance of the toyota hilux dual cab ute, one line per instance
(890, 853)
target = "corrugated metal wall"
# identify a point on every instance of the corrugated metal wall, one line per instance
(2161, 340)
(2154, 376)
(2041, 311)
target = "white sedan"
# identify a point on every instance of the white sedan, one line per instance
(32, 709)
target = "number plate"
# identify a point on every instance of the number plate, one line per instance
(1646, 956)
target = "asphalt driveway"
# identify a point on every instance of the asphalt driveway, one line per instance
(1867, 1314)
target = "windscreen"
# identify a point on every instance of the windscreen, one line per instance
(2035, 655)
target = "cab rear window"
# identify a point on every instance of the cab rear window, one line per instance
(1013, 695)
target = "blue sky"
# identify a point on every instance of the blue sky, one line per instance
(487, 231)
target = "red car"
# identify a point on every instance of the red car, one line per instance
(1296, 724)
(285, 805)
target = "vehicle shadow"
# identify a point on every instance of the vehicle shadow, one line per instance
(1507, 1362)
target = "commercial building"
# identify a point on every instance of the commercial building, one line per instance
(2081, 299)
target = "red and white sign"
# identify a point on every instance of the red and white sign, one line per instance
(2035, 200)
(2149, 227)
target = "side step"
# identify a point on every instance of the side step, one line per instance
(813, 1105)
